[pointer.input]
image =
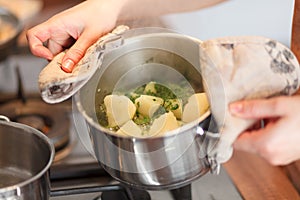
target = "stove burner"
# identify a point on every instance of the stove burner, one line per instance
(35, 121)
(128, 194)
(86, 175)
(52, 120)
(108, 192)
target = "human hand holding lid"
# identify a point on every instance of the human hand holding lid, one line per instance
(56, 85)
(278, 140)
(78, 27)
(243, 68)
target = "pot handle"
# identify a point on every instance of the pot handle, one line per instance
(4, 118)
(57, 86)
(208, 133)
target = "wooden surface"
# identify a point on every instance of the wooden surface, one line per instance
(293, 170)
(295, 40)
(256, 179)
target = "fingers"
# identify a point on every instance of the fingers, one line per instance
(258, 109)
(247, 141)
(77, 51)
(61, 31)
(36, 39)
(46, 44)
(56, 46)
(277, 142)
(58, 42)
(267, 143)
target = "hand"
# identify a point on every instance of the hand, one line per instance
(79, 27)
(279, 140)
(76, 28)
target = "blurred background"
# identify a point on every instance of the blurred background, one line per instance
(269, 18)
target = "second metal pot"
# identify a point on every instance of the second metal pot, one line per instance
(25, 158)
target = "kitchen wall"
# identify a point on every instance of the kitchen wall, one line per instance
(269, 18)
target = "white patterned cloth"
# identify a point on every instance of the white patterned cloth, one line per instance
(56, 85)
(244, 67)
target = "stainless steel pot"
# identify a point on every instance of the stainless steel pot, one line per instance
(25, 158)
(165, 162)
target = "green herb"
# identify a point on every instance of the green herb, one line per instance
(171, 104)
(150, 93)
(141, 120)
(140, 90)
(132, 96)
(174, 107)
(101, 115)
(164, 92)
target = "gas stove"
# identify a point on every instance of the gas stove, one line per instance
(75, 173)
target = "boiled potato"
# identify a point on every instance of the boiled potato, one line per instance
(131, 129)
(147, 105)
(150, 88)
(175, 106)
(164, 123)
(119, 110)
(197, 105)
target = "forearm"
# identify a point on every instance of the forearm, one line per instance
(91, 19)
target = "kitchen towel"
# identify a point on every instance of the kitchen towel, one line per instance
(243, 67)
(56, 85)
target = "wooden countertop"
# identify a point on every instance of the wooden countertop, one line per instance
(256, 179)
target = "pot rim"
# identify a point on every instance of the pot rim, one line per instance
(44, 170)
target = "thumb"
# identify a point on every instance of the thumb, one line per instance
(257, 109)
(76, 52)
